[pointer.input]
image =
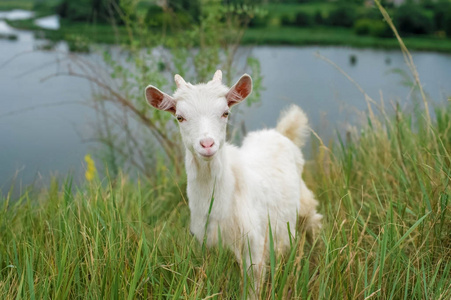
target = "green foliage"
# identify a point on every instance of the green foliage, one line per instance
(376, 28)
(303, 19)
(78, 43)
(442, 17)
(16, 4)
(447, 25)
(363, 26)
(103, 11)
(45, 7)
(411, 19)
(442, 11)
(286, 20)
(318, 18)
(259, 20)
(338, 36)
(192, 8)
(343, 15)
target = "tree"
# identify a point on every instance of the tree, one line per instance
(411, 19)
(190, 7)
(441, 10)
(344, 15)
(89, 10)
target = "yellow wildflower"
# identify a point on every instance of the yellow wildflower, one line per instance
(90, 168)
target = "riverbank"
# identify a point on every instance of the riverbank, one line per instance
(273, 35)
(384, 195)
(320, 36)
(327, 36)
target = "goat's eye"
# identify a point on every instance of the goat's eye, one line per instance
(180, 118)
(226, 114)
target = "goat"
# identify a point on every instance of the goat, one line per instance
(254, 186)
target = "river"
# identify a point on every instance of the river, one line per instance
(43, 126)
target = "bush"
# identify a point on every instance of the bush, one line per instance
(411, 19)
(189, 7)
(441, 12)
(380, 29)
(286, 20)
(370, 13)
(259, 21)
(318, 19)
(88, 10)
(77, 43)
(362, 27)
(156, 18)
(303, 19)
(344, 16)
(447, 23)
(375, 28)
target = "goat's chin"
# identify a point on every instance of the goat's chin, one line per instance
(207, 156)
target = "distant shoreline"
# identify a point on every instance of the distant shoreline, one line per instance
(338, 37)
(260, 36)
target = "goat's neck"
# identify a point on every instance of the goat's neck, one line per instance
(207, 179)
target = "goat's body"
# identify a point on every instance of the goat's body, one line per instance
(251, 185)
(236, 193)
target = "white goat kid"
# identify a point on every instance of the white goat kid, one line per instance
(252, 185)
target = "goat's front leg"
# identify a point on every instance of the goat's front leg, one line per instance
(255, 262)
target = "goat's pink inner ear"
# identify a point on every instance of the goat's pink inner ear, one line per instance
(160, 100)
(240, 90)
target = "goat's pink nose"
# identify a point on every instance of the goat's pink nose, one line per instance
(207, 142)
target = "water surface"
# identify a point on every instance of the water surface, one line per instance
(43, 125)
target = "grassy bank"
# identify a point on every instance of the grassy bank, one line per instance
(385, 195)
(98, 33)
(338, 36)
(273, 30)
(324, 36)
(6, 5)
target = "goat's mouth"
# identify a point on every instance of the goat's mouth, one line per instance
(207, 155)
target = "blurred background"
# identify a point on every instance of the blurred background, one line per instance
(73, 72)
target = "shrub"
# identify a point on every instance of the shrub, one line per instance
(375, 28)
(303, 19)
(190, 7)
(88, 10)
(344, 16)
(155, 16)
(259, 21)
(411, 19)
(447, 23)
(441, 12)
(370, 13)
(362, 26)
(77, 43)
(380, 28)
(318, 18)
(388, 3)
(286, 20)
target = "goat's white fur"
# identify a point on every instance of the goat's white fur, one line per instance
(251, 185)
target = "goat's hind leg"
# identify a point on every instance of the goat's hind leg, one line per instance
(309, 219)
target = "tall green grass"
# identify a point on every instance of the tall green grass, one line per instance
(384, 192)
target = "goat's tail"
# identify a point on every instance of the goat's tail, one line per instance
(293, 124)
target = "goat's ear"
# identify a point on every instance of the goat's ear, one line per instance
(240, 90)
(160, 100)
